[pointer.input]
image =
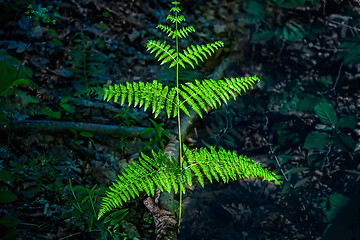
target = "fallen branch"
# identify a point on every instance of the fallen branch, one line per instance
(65, 127)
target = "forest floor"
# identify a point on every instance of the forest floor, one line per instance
(300, 120)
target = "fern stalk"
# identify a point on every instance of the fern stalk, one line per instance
(158, 170)
(178, 115)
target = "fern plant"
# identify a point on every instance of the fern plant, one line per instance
(158, 170)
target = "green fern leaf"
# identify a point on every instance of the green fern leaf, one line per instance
(156, 101)
(168, 58)
(159, 171)
(51, 113)
(191, 102)
(146, 176)
(114, 93)
(184, 32)
(130, 92)
(166, 29)
(177, 19)
(120, 90)
(195, 52)
(148, 93)
(170, 102)
(108, 93)
(175, 9)
(136, 93)
(194, 95)
(192, 160)
(226, 164)
(160, 104)
(186, 59)
(167, 54)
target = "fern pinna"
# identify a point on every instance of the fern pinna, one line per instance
(158, 171)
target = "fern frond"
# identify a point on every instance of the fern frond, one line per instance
(194, 95)
(224, 164)
(167, 53)
(160, 172)
(182, 33)
(189, 55)
(214, 92)
(141, 94)
(91, 90)
(166, 29)
(51, 113)
(147, 175)
(177, 19)
(175, 9)
(194, 52)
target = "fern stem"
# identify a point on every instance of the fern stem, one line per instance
(178, 109)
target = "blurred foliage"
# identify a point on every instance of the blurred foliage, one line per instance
(8, 222)
(83, 210)
(88, 64)
(159, 135)
(39, 173)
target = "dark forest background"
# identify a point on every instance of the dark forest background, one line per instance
(61, 146)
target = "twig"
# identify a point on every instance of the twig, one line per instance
(71, 235)
(278, 162)
(336, 81)
(337, 77)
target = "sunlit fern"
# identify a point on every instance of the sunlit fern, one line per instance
(158, 171)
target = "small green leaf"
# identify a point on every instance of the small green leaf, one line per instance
(296, 170)
(347, 122)
(286, 188)
(301, 182)
(21, 81)
(326, 113)
(6, 176)
(293, 33)
(7, 197)
(316, 159)
(33, 100)
(67, 107)
(275, 148)
(57, 42)
(344, 142)
(336, 201)
(317, 140)
(86, 134)
(9, 221)
(255, 8)
(52, 32)
(284, 158)
(258, 37)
